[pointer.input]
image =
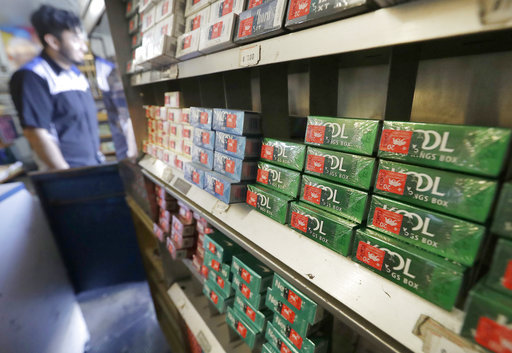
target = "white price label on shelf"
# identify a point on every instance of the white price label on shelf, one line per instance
(250, 56)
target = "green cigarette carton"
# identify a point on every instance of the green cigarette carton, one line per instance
(220, 303)
(278, 341)
(303, 344)
(268, 202)
(222, 247)
(502, 222)
(331, 231)
(450, 237)
(256, 299)
(213, 263)
(284, 153)
(469, 149)
(344, 168)
(257, 318)
(268, 348)
(499, 276)
(343, 134)
(456, 194)
(278, 304)
(488, 319)
(427, 275)
(256, 275)
(224, 286)
(248, 334)
(335, 198)
(283, 180)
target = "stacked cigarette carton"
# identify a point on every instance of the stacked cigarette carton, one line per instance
(203, 228)
(167, 208)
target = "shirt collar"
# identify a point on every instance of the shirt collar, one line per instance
(55, 67)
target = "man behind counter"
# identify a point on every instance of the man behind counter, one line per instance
(52, 97)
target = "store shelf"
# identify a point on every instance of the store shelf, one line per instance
(416, 21)
(352, 293)
(200, 279)
(211, 331)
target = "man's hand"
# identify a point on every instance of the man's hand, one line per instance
(45, 147)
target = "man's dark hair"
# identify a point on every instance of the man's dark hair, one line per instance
(51, 20)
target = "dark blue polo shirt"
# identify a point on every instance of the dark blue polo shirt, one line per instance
(47, 96)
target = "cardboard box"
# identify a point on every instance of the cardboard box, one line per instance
(173, 114)
(166, 8)
(179, 226)
(260, 22)
(275, 302)
(178, 253)
(221, 247)
(278, 341)
(148, 18)
(427, 275)
(238, 323)
(193, 6)
(488, 317)
(132, 7)
(201, 117)
(303, 344)
(211, 291)
(331, 231)
(185, 213)
(256, 275)
(133, 25)
(343, 134)
(502, 222)
(257, 318)
(237, 146)
(218, 34)
(172, 26)
(158, 232)
(268, 202)
(279, 179)
(220, 268)
(203, 157)
(268, 348)
(223, 285)
(446, 236)
(307, 13)
(469, 149)
(182, 242)
(344, 168)
(255, 298)
(197, 20)
(226, 190)
(235, 168)
(237, 122)
(335, 198)
(187, 132)
(172, 100)
(459, 195)
(186, 148)
(225, 7)
(187, 46)
(284, 153)
(499, 276)
(194, 173)
(204, 138)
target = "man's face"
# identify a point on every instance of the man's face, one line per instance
(73, 46)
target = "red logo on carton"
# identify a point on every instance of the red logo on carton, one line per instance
(252, 198)
(203, 118)
(219, 188)
(204, 271)
(250, 313)
(195, 177)
(493, 336)
(390, 181)
(254, 3)
(216, 30)
(214, 297)
(129, 7)
(212, 248)
(245, 27)
(397, 141)
(246, 292)
(294, 300)
(220, 282)
(284, 348)
(232, 145)
(246, 276)
(196, 22)
(231, 121)
(165, 8)
(507, 278)
(267, 152)
(298, 8)
(312, 194)
(315, 163)
(203, 158)
(315, 134)
(215, 265)
(186, 133)
(288, 314)
(187, 41)
(227, 7)
(299, 222)
(205, 138)
(174, 130)
(195, 1)
(262, 176)
(172, 144)
(387, 220)
(170, 116)
(241, 329)
(230, 166)
(370, 255)
(134, 39)
(295, 338)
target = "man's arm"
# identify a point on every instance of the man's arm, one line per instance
(45, 147)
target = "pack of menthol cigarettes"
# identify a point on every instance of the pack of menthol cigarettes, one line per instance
(234, 168)
(237, 146)
(225, 189)
(469, 149)
(225, 7)
(238, 122)
(203, 157)
(261, 21)
(195, 174)
(201, 117)
(204, 138)
(218, 35)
